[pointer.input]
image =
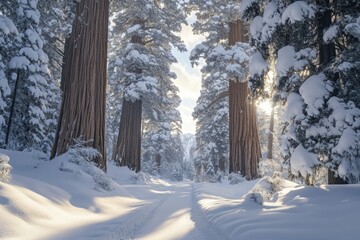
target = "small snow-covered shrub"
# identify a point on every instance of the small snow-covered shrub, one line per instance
(267, 167)
(235, 178)
(176, 175)
(266, 188)
(140, 177)
(5, 168)
(80, 162)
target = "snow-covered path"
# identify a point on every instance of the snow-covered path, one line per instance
(58, 200)
(172, 219)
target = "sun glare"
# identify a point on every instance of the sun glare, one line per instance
(265, 106)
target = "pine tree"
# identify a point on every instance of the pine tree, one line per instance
(33, 100)
(8, 32)
(219, 20)
(83, 107)
(294, 33)
(56, 23)
(149, 96)
(339, 30)
(212, 129)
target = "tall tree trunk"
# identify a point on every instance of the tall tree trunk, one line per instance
(12, 109)
(65, 69)
(326, 53)
(82, 113)
(65, 63)
(222, 164)
(128, 147)
(158, 162)
(243, 130)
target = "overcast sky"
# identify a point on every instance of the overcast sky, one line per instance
(188, 79)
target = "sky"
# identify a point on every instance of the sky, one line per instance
(188, 78)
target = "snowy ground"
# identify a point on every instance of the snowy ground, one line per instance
(42, 202)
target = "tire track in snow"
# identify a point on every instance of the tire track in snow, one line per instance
(129, 230)
(198, 215)
(173, 220)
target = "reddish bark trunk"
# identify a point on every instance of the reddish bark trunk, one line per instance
(83, 107)
(128, 147)
(243, 130)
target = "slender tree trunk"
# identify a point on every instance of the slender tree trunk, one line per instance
(158, 162)
(128, 147)
(243, 130)
(326, 51)
(65, 69)
(222, 164)
(271, 132)
(65, 62)
(82, 113)
(12, 108)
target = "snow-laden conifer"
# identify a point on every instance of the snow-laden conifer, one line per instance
(140, 74)
(8, 31)
(224, 61)
(34, 97)
(309, 76)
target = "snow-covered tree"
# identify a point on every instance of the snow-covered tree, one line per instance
(227, 56)
(147, 31)
(212, 128)
(56, 21)
(34, 97)
(293, 32)
(340, 32)
(8, 32)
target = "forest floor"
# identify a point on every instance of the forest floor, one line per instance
(63, 200)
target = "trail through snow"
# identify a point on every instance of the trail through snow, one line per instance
(167, 213)
(58, 200)
(172, 220)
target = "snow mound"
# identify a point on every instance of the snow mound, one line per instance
(295, 212)
(65, 198)
(266, 188)
(85, 169)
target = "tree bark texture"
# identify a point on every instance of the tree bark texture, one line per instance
(128, 147)
(82, 114)
(245, 150)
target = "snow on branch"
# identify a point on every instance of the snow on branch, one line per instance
(298, 11)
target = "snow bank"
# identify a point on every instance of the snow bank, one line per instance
(265, 189)
(61, 199)
(297, 212)
(43, 202)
